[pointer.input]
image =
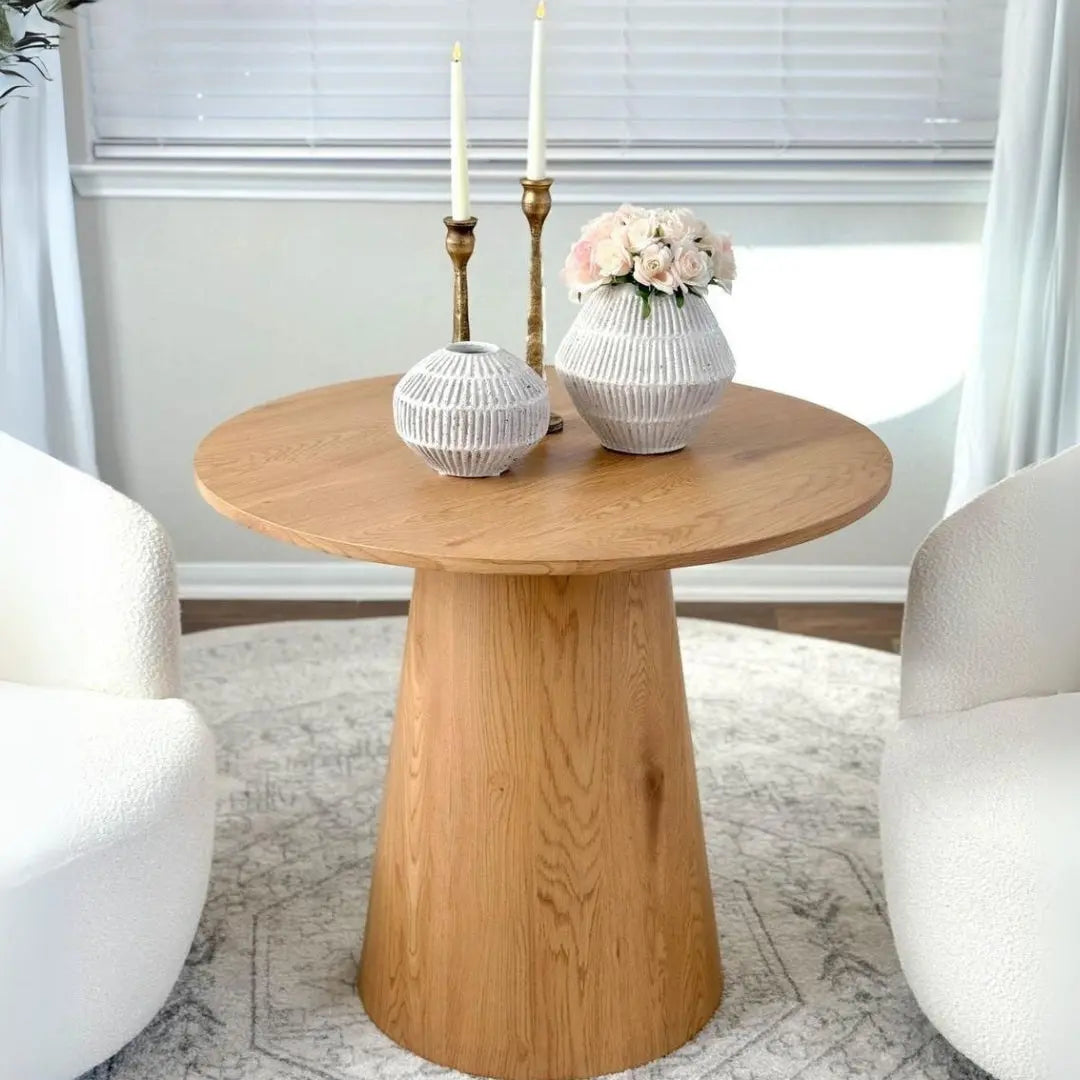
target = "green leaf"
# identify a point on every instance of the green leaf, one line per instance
(679, 300)
(645, 292)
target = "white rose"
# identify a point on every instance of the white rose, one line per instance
(627, 212)
(671, 225)
(653, 267)
(611, 258)
(641, 232)
(678, 225)
(692, 266)
(695, 227)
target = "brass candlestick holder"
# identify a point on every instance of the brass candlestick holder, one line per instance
(460, 243)
(536, 204)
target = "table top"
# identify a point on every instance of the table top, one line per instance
(324, 469)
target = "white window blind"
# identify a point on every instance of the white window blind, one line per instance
(678, 80)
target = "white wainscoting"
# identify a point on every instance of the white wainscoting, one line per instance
(733, 583)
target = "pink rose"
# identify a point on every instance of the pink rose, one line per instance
(723, 259)
(579, 273)
(611, 258)
(653, 267)
(598, 229)
(692, 266)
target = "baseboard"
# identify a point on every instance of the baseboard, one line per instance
(772, 583)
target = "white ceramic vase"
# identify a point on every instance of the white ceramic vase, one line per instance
(471, 409)
(644, 385)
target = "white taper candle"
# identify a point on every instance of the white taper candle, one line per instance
(459, 150)
(536, 164)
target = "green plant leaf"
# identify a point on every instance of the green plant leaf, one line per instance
(645, 292)
(27, 49)
(680, 299)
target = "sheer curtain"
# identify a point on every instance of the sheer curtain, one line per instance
(44, 377)
(1021, 400)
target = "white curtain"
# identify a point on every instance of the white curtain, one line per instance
(1021, 400)
(44, 377)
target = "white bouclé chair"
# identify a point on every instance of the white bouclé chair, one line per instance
(980, 788)
(106, 776)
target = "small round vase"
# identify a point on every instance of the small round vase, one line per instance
(471, 409)
(644, 385)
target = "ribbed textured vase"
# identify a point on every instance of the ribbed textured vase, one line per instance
(471, 409)
(644, 385)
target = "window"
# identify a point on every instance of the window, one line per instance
(671, 88)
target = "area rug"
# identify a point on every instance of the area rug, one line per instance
(788, 733)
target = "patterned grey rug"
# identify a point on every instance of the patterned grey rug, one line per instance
(788, 734)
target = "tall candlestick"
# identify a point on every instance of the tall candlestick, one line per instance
(536, 203)
(459, 151)
(536, 165)
(459, 246)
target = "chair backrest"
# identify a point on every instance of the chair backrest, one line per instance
(87, 583)
(993, 607)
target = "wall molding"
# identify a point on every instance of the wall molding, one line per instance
(731, 583)
(605, 185)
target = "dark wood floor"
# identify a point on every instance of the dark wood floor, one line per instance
(874, 625)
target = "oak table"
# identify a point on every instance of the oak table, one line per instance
(540, 905)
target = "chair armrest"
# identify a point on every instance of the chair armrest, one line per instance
(87, 585)
(993, 608)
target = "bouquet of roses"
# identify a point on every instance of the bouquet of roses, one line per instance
(665, 252)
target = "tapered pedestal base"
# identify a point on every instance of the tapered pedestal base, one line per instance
(540, 907)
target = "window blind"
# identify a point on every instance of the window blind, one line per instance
(668, 79)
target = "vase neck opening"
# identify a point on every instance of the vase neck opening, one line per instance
(471, 347)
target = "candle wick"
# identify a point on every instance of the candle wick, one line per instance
(455, 56)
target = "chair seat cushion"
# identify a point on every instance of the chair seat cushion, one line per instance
(977, 858)
(80, 771)
(106, 835)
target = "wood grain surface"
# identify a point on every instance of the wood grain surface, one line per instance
(324, 469)
(541, 905)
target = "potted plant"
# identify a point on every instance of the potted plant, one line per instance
(645, 361)
(27, 29)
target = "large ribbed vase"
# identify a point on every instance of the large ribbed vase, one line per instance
(471, 409)
(644, 385)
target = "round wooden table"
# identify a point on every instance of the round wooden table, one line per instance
(540, 905)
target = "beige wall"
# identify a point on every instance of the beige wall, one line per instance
(198, 308)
